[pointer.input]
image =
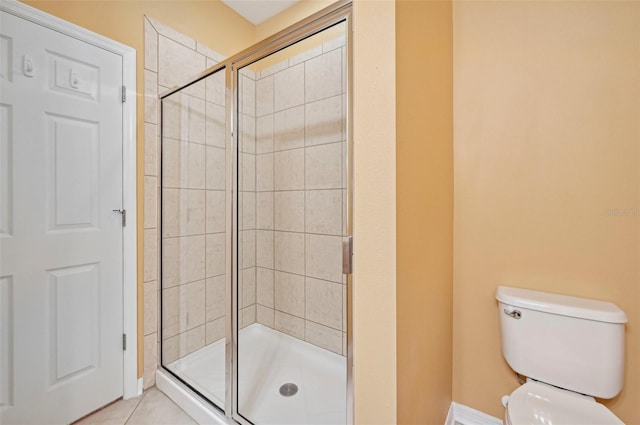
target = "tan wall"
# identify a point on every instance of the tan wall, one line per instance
(209, 21)
(424, 164)
(547, 138)
(374, 298)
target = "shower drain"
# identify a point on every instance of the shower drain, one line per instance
(288, 389)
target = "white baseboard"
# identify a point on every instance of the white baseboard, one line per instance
(460, 414)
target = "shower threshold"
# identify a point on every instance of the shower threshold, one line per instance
(267, 360)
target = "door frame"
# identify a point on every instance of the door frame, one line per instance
(132, 386)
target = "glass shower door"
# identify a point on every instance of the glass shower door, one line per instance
(193, 236)
(291, 294)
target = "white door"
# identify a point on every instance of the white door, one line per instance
(61, 306)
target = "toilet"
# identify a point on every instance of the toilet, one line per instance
(570, 349)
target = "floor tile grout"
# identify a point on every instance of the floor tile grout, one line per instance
(144, 394)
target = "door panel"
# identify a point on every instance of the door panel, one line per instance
(61, 243)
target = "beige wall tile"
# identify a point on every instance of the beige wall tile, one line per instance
(323, 211)
(323, 76)
(323, 256)
(324, 121)
(306, 55)
(248, 284)
(277, 67)
(197, 122)
(291, 325)
(175, 116)
(248, 174)
(195, 166)
(151, 97)
(150, 202)
(215, 330)
(323, 302)
(151, 144)
(193, 263)
(172, 157)
(265, 316)
(248, 210)
(210, 53)
(172, 34)
(264, 172)
(247, 134)
(289, 88)
(323, 166)
(247, 89)
(150, 360)
(215, 88)
(177, 63)
(264, 287)
(264, 134)
(247, 316)
(289, 170)
(288, 128)
(264, 96)
(248, 248)
(194, 220)
(196, 90)
(289, 293)
(215, 294)
(334, 44)
(264, 210)
(215, 168)
(183, 308)
(215, 211)
(170, 350)
(289, 252)
(150, 47)
(264, 248)
(150, 255)
(322, 336)
(195, 339)
(150, 312)
(215, 127)
(171, 212)
(289, 211)
(216, 254)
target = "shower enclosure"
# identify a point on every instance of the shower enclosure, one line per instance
(256, 225)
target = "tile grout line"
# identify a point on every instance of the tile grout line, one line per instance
(144, 394)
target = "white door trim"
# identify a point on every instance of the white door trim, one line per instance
(129, 251)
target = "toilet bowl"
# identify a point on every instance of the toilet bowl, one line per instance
(536, 403)
(571, 349)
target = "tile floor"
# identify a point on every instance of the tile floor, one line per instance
(151, 408)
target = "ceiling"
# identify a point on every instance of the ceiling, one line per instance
(258, 11)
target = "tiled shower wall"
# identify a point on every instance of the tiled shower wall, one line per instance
(292, 191)
(193, 197)
(300, 195)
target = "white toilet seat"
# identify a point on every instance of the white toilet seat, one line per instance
(536, 403)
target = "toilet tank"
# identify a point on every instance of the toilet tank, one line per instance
(571, 343)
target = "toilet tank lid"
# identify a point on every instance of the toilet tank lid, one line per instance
(564, 305)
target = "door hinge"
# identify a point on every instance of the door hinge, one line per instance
(124, 94)
(123, 213)
(124, 342)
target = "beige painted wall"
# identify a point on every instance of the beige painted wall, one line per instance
(424, 172)
(122, 20)
(374, 298)
(546, 142)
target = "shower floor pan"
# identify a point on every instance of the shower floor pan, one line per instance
(267, 360)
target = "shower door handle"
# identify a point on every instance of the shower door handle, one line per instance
(347, 255)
